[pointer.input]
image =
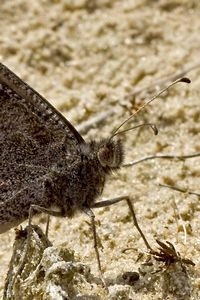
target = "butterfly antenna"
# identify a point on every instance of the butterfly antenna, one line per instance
(151, 125)
(183, 79)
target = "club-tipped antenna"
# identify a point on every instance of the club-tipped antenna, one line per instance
(183, 79)
(151, 125)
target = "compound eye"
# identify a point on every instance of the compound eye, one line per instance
(104, 156)
(111, 155)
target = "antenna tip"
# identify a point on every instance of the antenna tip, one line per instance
(155, 129)
(185, 79)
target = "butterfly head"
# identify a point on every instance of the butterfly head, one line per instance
(111, 154)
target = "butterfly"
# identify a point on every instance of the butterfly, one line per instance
(46, 165)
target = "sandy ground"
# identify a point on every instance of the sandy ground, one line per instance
(89, 59)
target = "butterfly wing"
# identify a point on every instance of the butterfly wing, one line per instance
(34, 137)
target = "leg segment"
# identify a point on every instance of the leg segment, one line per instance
(130, 205)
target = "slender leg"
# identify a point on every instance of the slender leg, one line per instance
(136, 224)
(47, 226)
(105, 203)
(46, 211)
(90, 213)
(130, 205)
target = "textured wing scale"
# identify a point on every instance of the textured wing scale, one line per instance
(34, 139)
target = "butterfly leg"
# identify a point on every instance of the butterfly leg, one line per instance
(47, 226)
(130, 205)
(46, 211)
(91, 215)
(89, 212)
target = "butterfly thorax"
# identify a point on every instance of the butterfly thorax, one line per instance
(82, 182)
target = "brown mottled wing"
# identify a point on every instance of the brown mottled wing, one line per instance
(34, 137)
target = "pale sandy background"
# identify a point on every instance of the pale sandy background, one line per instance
(90, 57)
